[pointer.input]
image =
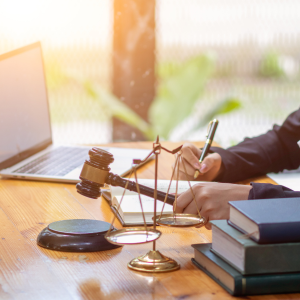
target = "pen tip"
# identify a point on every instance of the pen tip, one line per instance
(196, 174)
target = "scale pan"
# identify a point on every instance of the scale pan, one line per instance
(180, 220)
(132, 236)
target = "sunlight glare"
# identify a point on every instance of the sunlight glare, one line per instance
(57, 22)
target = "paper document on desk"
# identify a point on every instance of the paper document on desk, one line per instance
(290, 179)
(162, 185)
(130, 212)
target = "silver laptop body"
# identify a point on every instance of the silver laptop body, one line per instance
(26, 148)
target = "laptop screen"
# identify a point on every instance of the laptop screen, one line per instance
(24, 113)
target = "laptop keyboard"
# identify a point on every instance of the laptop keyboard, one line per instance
(58, 162)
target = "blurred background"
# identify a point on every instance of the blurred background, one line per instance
(121, 70)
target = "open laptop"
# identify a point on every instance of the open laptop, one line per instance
(26, 149)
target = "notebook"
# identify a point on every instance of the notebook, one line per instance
(26, 148)
(130, 213)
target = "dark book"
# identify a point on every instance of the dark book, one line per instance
(237, 284)
(268, 220)
(249, 257)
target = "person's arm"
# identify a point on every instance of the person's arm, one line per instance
(273, 151)
(211, 198)
(270, 191)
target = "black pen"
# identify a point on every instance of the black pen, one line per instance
(210, 136)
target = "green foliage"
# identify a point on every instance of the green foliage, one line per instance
(117, 108)
(55, 76)
(178, 93)
(180, 87)
(271, 65)
(224, 107)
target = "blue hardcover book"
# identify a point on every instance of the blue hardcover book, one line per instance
(237, 284)
(267, 221)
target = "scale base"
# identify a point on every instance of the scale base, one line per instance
(75, 235)
(153, 262)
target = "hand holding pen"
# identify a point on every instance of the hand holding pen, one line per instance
(210, 136)
(210, 167)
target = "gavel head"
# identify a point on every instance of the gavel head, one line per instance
(94, 173)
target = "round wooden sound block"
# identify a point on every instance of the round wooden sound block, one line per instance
(76, 235)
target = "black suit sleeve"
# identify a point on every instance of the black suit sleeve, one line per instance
(273, 151)
(269, 191)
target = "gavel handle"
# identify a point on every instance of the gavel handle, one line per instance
(116, 180)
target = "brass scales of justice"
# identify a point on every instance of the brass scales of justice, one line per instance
(94, 177)
(88, 235)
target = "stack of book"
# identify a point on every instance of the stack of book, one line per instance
(257, 251)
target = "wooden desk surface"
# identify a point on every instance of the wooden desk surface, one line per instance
(30, 272)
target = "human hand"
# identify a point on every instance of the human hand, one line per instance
(209, 168)
(212, 199)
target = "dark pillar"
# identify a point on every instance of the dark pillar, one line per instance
(133, 61)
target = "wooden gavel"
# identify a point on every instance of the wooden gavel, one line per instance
(95, 173)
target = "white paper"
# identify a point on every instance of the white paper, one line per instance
(162, 185)
(290, 180)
